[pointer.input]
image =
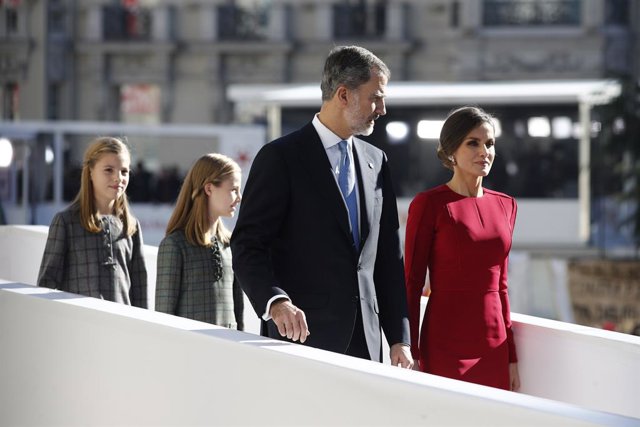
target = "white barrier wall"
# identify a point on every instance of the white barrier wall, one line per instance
(71, 360)
(22, 247)
(588, 367)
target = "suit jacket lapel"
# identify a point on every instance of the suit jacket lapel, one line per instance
(367, 185)
(314, 159)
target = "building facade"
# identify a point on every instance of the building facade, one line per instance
(170, 61)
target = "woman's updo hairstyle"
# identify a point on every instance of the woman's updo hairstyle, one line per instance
(456, 127)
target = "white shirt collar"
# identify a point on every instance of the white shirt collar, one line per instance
(328, 138)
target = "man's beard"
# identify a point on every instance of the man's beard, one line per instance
(360, 126)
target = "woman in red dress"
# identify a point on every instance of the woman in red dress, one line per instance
(461, 233)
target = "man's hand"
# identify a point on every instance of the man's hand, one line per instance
(290, 320)
(401, 355)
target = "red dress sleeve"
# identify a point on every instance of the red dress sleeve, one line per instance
(504, 296)
(418, 240)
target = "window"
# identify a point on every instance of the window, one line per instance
(56, 19)
(126, 23)
(243, 20)
(359, 19)
(10, 98)
(54, 101)
(11, 21)
(454, 16)
(617, 12)
(531, 13)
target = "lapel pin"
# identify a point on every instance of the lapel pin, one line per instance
(370, 165)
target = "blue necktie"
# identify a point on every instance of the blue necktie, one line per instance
(347, 183)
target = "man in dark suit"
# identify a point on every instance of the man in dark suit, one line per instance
(316, 245)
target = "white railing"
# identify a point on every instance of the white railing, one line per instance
(72, 360)
(580, 373)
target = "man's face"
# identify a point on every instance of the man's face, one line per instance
(366, 104)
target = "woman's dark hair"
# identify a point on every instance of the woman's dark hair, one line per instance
(456, 127)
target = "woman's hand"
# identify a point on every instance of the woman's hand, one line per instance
(514, 377)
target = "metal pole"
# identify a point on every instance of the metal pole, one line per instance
(274, 122)
(58, 168)
(25, 183)
(584, 171)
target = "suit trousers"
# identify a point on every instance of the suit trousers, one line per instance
(358, 345)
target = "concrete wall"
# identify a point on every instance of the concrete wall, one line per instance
(71, 360)
(587, 367)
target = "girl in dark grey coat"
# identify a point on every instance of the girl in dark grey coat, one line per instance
(94, 247)
(195, 277)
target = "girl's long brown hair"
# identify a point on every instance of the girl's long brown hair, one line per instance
(191, 211)
(85, 199)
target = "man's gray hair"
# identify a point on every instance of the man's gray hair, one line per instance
(350, 66)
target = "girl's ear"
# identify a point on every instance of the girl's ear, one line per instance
(207, 188)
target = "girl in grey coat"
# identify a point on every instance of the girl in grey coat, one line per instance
(94, 247)
(195, 277)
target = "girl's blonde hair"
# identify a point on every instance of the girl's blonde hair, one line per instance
(191, 211)
(85, 199)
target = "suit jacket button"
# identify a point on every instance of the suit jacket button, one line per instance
(356, 298)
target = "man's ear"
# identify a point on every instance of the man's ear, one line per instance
(342, 94)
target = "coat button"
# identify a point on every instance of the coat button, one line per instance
(356, 298)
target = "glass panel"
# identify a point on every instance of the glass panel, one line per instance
(525, 166)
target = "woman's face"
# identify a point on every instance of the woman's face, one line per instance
(476, 153)
(224, 198)
(110, 177)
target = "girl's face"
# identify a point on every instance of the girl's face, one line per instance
(223, 199)
(475, 155)
(110, 177)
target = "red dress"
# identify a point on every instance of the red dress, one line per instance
(464, 242)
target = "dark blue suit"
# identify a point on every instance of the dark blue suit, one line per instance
(292, 238)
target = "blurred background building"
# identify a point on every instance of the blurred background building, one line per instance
(171, 61)
(164, 62)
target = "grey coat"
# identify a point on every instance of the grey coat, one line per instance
(185, 283)
(107, 265)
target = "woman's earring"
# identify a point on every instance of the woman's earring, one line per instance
(453, 161)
